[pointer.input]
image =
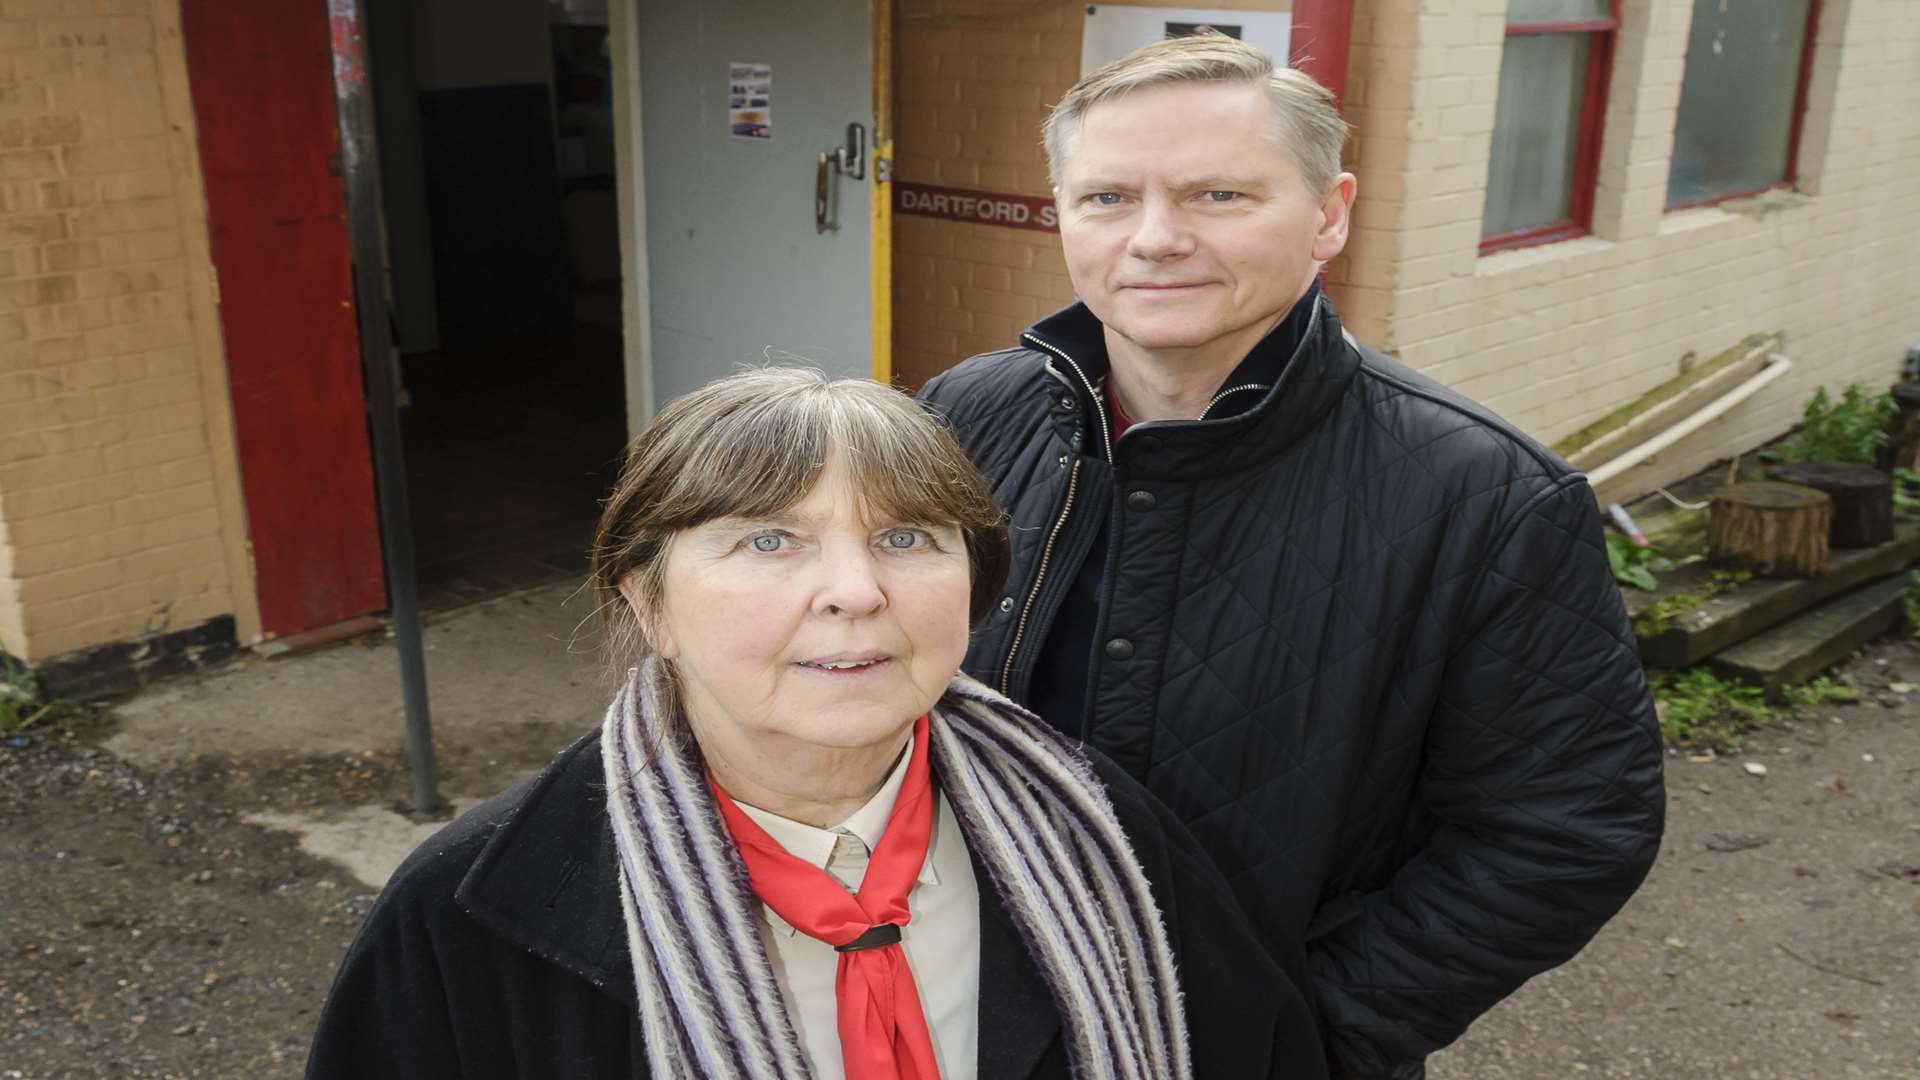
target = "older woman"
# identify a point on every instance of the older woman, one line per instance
(800, 845)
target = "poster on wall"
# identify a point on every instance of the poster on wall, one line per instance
(750, 101)
(1112, 31)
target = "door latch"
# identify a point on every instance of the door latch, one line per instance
(850, 161)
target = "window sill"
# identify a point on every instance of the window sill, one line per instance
(1751, 207)
(1515, 260)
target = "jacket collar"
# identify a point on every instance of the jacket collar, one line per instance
(1278, 392)
(548, 881)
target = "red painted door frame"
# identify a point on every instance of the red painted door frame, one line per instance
(1321, 37)
(262, 83)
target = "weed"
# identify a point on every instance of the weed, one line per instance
(1851, 430)
(1906, 494)
(1659, 615)
(1633, 565)
(1911, 602)
(1704, 709)
(1816, 692)
(22, 709)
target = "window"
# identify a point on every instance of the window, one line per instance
(1741, 99)
(1546, 126)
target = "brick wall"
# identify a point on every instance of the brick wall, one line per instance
(119, 507)
(1556, 336)
(974, 81)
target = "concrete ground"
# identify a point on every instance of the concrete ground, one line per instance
(1778, 936)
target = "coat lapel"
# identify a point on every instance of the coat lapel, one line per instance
(548, 880)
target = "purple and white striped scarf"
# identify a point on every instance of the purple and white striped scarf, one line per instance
(1032, 813)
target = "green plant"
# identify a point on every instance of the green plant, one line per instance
(20, 704)
(1911, 601)
(1850, 430)
(1660, 614)
(1906, 500)
(1634, 565)
(1703, 709)
(1816, 692)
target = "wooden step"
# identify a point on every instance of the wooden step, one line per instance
(1804, 646)
(1725, 620)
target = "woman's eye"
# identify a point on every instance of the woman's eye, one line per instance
(768, 542)
(904, 539)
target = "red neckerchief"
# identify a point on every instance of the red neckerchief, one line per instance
(883, 1029)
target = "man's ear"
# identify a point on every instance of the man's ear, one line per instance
(1336, 213)
(652, 627)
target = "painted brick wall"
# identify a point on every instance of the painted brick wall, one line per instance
(119, 506)
(1556, 336)
(975, 79)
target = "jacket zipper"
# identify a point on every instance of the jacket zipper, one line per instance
(1106, 439)
(1040, 576)
(1222, 395)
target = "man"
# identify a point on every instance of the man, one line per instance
(1356, 631)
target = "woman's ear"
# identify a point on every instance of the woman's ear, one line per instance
(653, 628)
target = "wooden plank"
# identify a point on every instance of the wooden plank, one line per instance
(261, 76)
(1808, 644)
(1734, 616)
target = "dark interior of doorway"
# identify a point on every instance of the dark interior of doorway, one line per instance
(513, 389)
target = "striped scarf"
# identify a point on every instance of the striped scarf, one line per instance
(1033, 815)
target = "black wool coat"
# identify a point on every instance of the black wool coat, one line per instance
(1361, 637)
(498, 950)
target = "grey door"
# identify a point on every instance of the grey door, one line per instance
(738, 268)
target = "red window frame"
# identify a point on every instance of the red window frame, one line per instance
(1586, 153)
(1795, 124)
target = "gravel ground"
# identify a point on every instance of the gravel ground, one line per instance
(146, 931)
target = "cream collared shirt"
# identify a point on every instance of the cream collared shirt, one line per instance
(941, 939)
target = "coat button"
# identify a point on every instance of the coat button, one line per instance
(1140, 500)
(1064, 403)
(1006, 603)
(1119, 648)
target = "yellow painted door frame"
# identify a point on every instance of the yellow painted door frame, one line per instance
(882, 208)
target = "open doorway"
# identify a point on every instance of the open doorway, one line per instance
(498, 173)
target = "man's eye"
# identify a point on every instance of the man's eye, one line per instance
(1222, 196)
(1107, 198)
(768, 542)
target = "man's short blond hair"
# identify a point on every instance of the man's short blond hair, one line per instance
(1305, 119)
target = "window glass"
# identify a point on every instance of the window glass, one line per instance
(1536, 129)
(1534, 11)
(1737, 99)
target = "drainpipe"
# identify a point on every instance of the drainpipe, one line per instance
(1777, 365)
(360, 169)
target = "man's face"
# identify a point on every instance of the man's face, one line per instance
(1184, 220)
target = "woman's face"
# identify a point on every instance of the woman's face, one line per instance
(820, 625)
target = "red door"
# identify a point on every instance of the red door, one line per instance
(262, 83)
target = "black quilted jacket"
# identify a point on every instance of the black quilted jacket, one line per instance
(1363, 640)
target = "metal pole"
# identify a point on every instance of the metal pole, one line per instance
(360, 168)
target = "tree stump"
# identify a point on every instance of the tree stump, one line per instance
(1773, 529)
(1902, 449)
(1862, 499)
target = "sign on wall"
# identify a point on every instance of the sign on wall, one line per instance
(750, 101)
(1112, 31)
(980, 207)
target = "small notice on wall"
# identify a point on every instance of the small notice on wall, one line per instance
(750, 101)
(1112, 31)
